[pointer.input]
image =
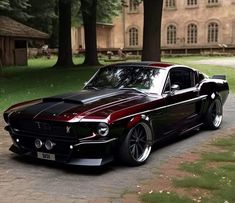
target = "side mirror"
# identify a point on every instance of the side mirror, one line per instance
(174, 88)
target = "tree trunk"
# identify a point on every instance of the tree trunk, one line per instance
(89, 22)
(152, 30)
(65, 47)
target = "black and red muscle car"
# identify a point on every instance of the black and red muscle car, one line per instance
(121, 112)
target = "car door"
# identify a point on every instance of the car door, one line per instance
(182, 103)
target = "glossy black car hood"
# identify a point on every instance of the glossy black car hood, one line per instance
(96, 104)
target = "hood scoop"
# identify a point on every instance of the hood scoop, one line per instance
(65, 100)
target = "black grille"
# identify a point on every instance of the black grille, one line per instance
(43, 128)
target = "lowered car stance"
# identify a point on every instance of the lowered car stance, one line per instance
(120, 113)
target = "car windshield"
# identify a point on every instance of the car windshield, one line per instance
(140, 78)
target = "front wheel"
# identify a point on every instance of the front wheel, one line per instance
(136, 147)
(214, 115)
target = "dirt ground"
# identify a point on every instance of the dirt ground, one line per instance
(162, 182)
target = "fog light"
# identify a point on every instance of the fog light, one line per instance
(38, 143)
(49, 145)
(71, 146)
(17, 140)
(103, 129)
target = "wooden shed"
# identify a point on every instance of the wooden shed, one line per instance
(14, 37)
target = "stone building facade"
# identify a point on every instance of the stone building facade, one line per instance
(188, 26)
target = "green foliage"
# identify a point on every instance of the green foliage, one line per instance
(18, 10)
(4, 5)
(76, 13)
(44, 18)
(164, 198)
(106, 9)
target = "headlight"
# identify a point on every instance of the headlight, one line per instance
(103, 129)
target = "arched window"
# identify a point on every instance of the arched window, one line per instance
(213, 1)
(170, 3)
(213, 33)
(191, 2)
(192, 34)
(133, 37)
(171, 34)
(133, 6)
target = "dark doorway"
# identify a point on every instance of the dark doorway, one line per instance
(21, 52)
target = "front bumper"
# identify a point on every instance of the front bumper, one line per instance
(66, 151)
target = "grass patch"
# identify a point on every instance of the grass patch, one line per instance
(227, 142)
(225, 156)
(218, 180)
(39, 79)
(164, 198)
(208, 181)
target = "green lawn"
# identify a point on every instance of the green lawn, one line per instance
(40, 80)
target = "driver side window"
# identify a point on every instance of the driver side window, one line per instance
(183, 77)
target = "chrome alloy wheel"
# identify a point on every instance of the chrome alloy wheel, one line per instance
(139, 144)
(216, 113)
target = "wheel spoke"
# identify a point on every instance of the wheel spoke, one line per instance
(136, 152)
(132, 140)
(133, 150)
(141, 148)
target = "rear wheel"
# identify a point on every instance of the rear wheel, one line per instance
(214, 115)
(137, 145)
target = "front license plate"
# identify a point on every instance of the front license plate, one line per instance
(47, 156)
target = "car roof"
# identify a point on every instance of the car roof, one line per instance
(153, 64)
(146, 63)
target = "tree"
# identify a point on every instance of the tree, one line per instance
(44, 17)
(65, 47)
(4, 5)
(93, 10)
(89, 22)
(107, 9)
(15, 9)
(152, 30)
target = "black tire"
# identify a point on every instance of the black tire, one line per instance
(136, 147)
(214, 115)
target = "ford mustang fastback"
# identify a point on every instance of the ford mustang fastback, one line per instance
(120, 113)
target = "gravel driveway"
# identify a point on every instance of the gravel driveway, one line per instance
(27, 180)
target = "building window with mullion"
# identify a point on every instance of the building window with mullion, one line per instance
(170, 4)
(191, 2)
(133, 7)
(192, 34)
(171, 34)
(213, 33)
(133, 37)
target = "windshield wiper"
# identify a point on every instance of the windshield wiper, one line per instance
(133, 88)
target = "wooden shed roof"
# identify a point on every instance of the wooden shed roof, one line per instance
(12, 28)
